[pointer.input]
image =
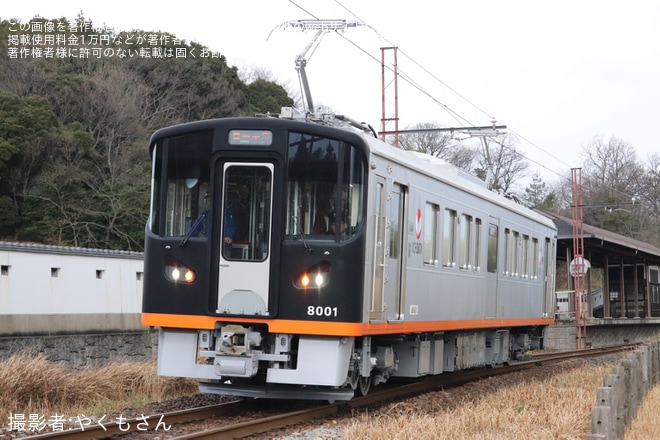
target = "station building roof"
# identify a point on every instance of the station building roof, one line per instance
(601, 245)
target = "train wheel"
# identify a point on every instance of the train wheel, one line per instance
(365, 384)
(354, 379)
(354, 376)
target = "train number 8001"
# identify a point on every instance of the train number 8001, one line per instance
(322, 311)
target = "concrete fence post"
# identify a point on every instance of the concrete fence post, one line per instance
(623, 391)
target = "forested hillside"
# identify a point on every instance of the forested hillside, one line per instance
(77, 107)
(78, 104)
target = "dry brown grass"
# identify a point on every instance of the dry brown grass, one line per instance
(555, 408)
(645, 425)
(558, 407)
(34, 385)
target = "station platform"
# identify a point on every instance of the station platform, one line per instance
(601, 332)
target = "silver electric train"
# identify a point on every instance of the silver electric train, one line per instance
(293, 259)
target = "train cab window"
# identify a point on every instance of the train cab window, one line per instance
(431, 219)
(491, 264)
(246, 206)
(325, 189)
(180, 186)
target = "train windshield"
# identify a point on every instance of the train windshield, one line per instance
(325, 186)
(181, 173)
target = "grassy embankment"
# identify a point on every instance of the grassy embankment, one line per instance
(558, 407)
(34, 385)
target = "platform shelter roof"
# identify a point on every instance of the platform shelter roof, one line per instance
(600, 244)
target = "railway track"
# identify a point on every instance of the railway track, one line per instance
(252, 420)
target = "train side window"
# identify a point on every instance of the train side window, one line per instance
(477, 245)
(533, 259)
(396, 221)
(517, 247)
(449, 238)
(524, 258)
(466, 238)
(431, 213)
(512, 253)
(491, 264)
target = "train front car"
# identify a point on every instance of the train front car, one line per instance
(254, 256)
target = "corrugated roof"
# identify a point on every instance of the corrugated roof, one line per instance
(68, 250)
(601, 240)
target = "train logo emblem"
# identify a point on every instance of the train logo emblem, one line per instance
(418, 224)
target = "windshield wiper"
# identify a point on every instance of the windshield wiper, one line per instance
(303, 237)
(197, 227)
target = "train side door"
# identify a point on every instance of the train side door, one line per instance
(386, 295)
(490, 288)
(396, 229)
(376, 310)
(244, 272)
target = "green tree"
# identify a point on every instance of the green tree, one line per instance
(538, 195)
(29, 134)
(74, 167)
(263, 96)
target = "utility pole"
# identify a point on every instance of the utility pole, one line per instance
(385, 83)
(578, 266)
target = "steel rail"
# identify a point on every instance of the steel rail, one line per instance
(270, 423)
(105, 430)
(380, 396)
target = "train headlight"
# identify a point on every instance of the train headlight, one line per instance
(178, 272)
(313, 277)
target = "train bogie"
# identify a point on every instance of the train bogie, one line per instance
(288, 259)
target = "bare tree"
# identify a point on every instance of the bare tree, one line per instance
(611, 177)
(437, 143)
(611, 170)
(501, 163)
(649, 193)
(649, 202)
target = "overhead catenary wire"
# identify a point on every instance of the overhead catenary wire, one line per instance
(482, 111)
(454, 114)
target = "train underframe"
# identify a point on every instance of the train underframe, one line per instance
(244, 360)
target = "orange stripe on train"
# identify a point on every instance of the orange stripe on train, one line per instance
(326, 328)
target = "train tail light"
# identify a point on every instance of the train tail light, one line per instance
(178, 272)
(313, 277)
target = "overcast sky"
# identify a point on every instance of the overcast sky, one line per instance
(555, 73)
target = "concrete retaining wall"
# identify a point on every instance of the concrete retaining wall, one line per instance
(601, 333)
(80, 351)
(623, 391)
